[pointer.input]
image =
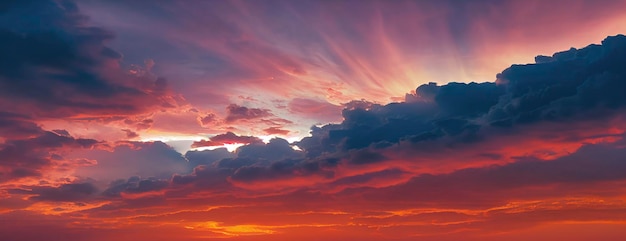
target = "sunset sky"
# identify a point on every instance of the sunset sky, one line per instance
(313, 120)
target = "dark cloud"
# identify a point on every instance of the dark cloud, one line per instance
(207, 157)
(135, 185)
(373, 124)
(275, 170)
(205, 177)
(28, 157)
(19, 126)
(259, 154)
(467, 100)
(284, 169)
(237, 113)
(71, 192)
(54, 65)
(568, 84)
(365, 156)
(275, 149)
(226, 138)
(248, 161)
(425, 92)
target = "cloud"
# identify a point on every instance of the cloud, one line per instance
(238, 113)
(207, 157)
(127, 159)
(56, 65)
(215, 167)
(135, 185)
(14, 125)
(141, 124)
(552, 90)
(130, 134)
(33, 156)
(467, 100)
(275, 149)
(226, 138)
(489, 185)
(364, 126)
(568, 85)
(275, 131)
(207, 119)
(70, 192)
(204, 177)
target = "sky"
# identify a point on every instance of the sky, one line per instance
(313, 120)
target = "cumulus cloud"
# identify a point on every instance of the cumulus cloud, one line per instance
(571, 84)
(207, 157)
(275, 149)
(204, 177)
(567, 85)
(210, 165)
